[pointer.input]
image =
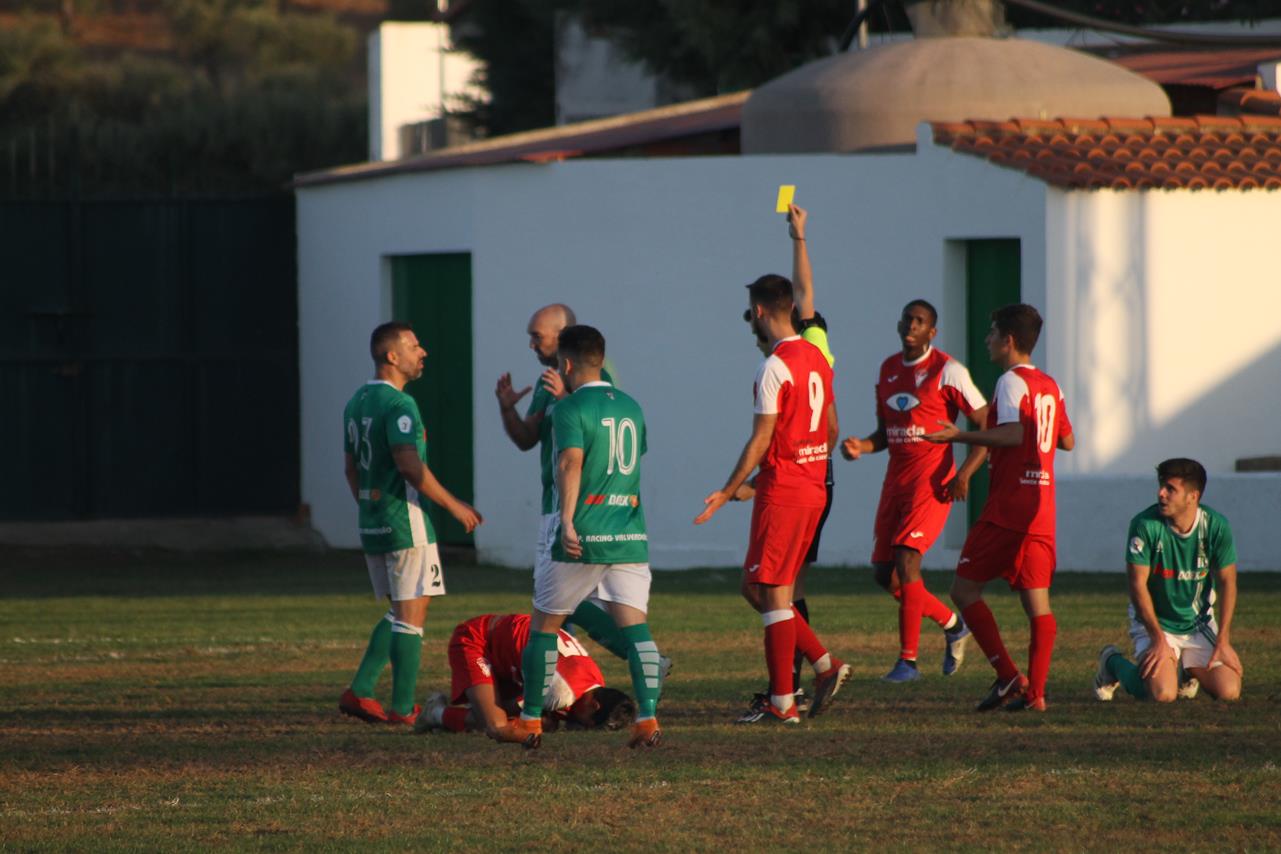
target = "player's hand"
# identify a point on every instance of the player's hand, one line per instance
(745, 492)
(569, 539)
(957, 489)
(1158, 652)
(945, 435)
(466, 516)
(554, 383)
(507, 396)
(1224, 653)
(712, 503)
(852, 448)
(796, 217)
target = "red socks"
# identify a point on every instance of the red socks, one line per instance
(780, 646)
(1044, 629)
(931, 606)
(909, 618)
(983, 626)
(807, 643)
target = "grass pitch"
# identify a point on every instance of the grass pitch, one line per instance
(158, 702)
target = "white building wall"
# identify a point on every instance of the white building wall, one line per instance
(656, 254)
(1161, 323)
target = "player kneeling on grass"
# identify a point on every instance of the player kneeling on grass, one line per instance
(602, 548)
(485, 665)
(1175, 548)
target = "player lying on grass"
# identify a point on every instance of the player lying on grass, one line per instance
(486, 682)
(1176, 548)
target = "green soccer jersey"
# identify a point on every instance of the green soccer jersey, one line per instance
(377, 418)
(1181, 580)
(542, 401)
(610, 428)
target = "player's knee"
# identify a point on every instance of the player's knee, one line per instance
(1228, 693)
(1163, 693)
(884, 575)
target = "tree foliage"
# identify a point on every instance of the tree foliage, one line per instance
(250, 97)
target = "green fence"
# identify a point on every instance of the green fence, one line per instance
(148, 358)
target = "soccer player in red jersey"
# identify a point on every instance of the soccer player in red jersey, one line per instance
(486, 683)
(793, 427)
(1014, 537)
(914, 390)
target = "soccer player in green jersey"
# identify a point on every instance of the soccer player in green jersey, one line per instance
(602, 547)
(1175, 550)
(385, 458)
(534, 429)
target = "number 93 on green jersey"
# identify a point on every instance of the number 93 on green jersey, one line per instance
(609, 518)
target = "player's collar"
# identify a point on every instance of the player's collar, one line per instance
(919, 359)
(379, 382)
(784, 341)
(592, 384)
(1023, 365)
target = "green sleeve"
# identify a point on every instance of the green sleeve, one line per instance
(1223, 549)
(644, 439)
(817, 336)
(403, 425)
(540, 399)
(1138, 548)
(567, 426)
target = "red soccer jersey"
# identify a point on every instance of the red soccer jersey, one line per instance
(794, 383)
(576, 672)
(1022, 491)
(911, 399)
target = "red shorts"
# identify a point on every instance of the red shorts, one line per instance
(781, 535)
(468, 665)
(1025, 560)
(910, 519)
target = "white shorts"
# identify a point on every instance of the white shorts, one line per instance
(1191, 650)
(547, 526)
(406, 574)
(562, 587)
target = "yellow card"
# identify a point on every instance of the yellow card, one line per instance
(785, 194)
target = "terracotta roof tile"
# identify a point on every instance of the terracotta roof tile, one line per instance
(1202, 152)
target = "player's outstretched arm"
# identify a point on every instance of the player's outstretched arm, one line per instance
(353, 477)
(753, 452)
(569, 476)
(522, 431)
(854, 447)
(420, 477)
(802, 275)
(1145, 612)
(1227, 602)
(1001, 436)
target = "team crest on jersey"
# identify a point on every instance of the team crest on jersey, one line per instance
(405, 423)
(1136, 546)
(903, 401)
(920, 376)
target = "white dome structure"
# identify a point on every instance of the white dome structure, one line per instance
(875, 98)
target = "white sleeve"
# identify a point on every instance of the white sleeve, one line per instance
(770, 379)
(957, 376)
(1010, 391)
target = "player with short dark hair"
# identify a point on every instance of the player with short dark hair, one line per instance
(385, 462)
(914, 389)
(1014, 537)
(1175, 550)
(485, 688)
(793, 422)
(602, 548)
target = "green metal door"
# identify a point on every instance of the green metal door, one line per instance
(991, 281)
(433, 294)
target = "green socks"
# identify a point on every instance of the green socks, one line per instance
(406, 654)
(600, 627)
(1128, 674)
(537, 667)
(642, 661)
(377, 654)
